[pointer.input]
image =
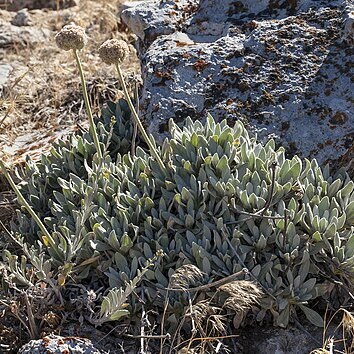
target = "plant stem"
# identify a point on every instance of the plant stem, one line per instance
(23, 201)
(138, 122)
(135, 127)
(88, 106)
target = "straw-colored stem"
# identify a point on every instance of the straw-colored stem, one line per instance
(23, 202)
(135, 127)
(138, 122)
(88, 106)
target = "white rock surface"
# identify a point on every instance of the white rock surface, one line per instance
(58, 345)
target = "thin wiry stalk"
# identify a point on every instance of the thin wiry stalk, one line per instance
(135, 126)
(162, 342)
(88, 106)
(31, 320)
(138, 122)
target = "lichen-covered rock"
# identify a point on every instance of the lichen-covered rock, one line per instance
(150, 19)
(282, 67)
(348, 35)
(58, 345)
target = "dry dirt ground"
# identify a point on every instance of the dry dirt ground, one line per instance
(41, 100)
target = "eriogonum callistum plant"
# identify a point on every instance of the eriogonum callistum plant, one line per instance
(229, 203)
(222, 204)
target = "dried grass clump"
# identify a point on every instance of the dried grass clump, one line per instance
(242, 295)
(186, 276)
(208, 318)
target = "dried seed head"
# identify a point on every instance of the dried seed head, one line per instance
(113, 51)
(71, 37)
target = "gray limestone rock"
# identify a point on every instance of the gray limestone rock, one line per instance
(285, 68)
(151, 19)
(22, 18)
(57, 345)
(11, 35)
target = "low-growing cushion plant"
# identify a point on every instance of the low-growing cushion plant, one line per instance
(227, 203)
(211, 201)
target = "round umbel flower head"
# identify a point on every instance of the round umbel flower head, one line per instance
(71, 37)
(113, 51)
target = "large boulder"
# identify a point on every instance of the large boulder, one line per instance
(285, 68)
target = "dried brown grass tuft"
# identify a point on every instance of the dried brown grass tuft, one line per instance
(185, 276)
(241, 295)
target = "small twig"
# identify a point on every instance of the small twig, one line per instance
(250, 273)
(285, 228)
(163, 322)
(146, 336)
(142, 328)
(8, 233)
(178, 331)
(82, 129)
(207, 339)
(214, 284)
(253, 215)
(194, 329)
(260, 213)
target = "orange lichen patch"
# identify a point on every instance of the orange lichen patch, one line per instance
(339, 118)
(200, 65)
(45, 341)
